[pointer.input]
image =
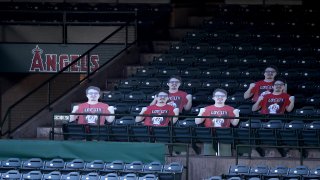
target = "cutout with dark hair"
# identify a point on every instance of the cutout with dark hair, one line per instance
(175, 77)
(220, 90)
(92, 87)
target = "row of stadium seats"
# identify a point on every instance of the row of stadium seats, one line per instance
(56, 175)
(295, 133)
(204, 62)
(127, 100)
(259, 172)
(36, 168)
(56, 6)
(243, 48)
(215, 36)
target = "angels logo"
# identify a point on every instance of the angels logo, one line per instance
(56, 62)
(157, 120)
(217, 122)
(273, 108)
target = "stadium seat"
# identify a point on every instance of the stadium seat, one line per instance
(136, 109)
(191, 85)
(73, 131)
(296, 172)
(313, 100)
(237, 171)
(230, 85)
(130, 176)
(249, 60)
(276, 172)
(245, 110)
(110, 176)
(32, 164)
(135, 96)
(185, 61)
(99, 133)
(140, 133)
(119, 131)
(161, 134)
(32, 175)
(74, 165)
(203, 135)
(54, 175)
(224, 136)
(134, 167)
(244, 49)
(290, 134)
(94, 166)
(90, 176)
(258, 171)
(182, 131)
(267, 134)
(75, 175)
(128, 84)
(166, 72)
(153, 167)
(146, 72)
(230, 60)
(11, 175)
(11, 163)
(190, 73)
(149, 85)
(207, 61)
(55, 164)
(171, 171)
(310, 134)
(199, 49)
(165, 60)
(305, 111)
(112, 96)
(148, 177)
(313, 174)
(122, 108)
(195, 37)
(115, 166)
(251, 73)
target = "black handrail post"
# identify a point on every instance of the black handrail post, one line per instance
(136, 25)
(51, 135)
(88, 65)
(64, 28)
(126, 38)
(49, 94)
(9, 124)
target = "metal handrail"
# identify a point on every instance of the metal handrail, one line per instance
(7, 116)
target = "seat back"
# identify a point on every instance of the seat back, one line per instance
(153, 167)
(33, 163)
(135, 166)
(54, 175)
(71, 176)
(94, 165)
(54, 164)
(75, 164)
(32, 175)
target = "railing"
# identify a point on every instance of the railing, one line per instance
(60, 83)
(250, 139)
(64, 19)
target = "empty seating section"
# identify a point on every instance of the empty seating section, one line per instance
(28, 12)
(231, 50)
(58, 169)
(264, 172)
